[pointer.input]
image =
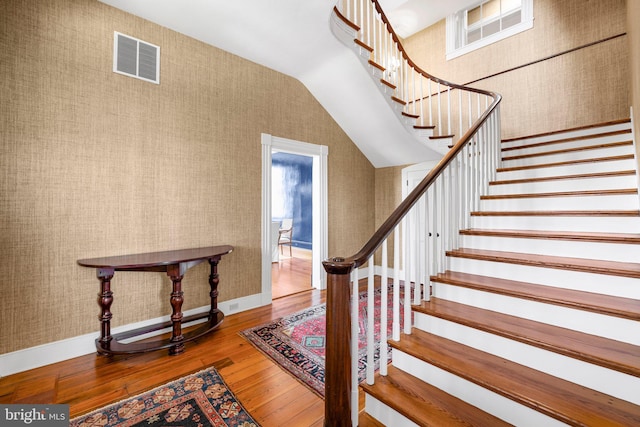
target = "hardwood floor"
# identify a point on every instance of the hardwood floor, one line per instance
(272, 396)
(292, 274)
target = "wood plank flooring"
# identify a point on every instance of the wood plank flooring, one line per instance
(272, 396)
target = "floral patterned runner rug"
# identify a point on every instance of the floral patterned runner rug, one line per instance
(296, 342)
(201, 399)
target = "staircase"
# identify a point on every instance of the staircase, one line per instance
(535, 319)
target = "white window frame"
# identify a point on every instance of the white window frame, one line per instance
(455, 24)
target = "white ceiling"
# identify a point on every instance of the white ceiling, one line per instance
(294, 38)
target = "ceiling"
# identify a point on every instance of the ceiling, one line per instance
(294, 38)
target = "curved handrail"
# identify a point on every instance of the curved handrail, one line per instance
(394, 219)
(469, 160)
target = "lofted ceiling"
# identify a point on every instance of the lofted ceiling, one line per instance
(294, 38)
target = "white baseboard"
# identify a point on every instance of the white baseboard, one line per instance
(58, 351)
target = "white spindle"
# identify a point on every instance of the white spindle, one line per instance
(470, 104)
(417, 232)
(449, 110)
(407, 275)
(430, 105)
(370, 323)
(439, 110)
(421, 101)
(460, 133)
(396, 284)
(384, 297)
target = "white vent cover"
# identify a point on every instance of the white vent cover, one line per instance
(136, 58)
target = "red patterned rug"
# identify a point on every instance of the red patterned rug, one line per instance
(296, 342)
(201, 399)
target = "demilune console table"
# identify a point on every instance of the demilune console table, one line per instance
(175, 264)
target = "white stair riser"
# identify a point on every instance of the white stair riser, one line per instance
(572, 169)
(569, 134)
(608, 183)
(480, 397)
(581, 203)
(384, 414)
(604, 380)
(558, 223)
(555, 247)
(565, 145)
(589, 282)
(565, 157)
(615, 328)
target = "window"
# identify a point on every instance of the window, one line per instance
(485, 23)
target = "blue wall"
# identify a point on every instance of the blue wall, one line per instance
(292, 185)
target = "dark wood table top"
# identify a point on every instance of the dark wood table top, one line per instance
(156, 259)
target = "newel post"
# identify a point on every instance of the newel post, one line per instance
(337, 370)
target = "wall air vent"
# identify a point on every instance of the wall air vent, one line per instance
(136, 58)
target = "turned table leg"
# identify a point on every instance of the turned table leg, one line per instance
(176, 272)
(105, 298)
(213, 284)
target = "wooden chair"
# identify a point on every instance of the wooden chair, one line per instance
(285, 233)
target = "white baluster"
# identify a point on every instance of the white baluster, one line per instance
(439, 110)
(371, 293)
(384, 298)
(449, 110)
(430, 105)
(407, 275)
(396, 283)
(460, 133)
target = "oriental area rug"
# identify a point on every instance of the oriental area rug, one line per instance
(296, 342)
(202, 399)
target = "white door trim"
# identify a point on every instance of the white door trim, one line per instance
(319, 238)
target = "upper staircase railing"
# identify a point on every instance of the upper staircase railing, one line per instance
(411, 244)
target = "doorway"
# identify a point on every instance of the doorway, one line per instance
(318, 154)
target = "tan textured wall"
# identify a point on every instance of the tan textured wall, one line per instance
(94, 163)
(583, 87)
(388, 195)
(633, 22)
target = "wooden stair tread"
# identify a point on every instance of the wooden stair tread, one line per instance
(424, 404)
(625, 269)
(616, 355)
(556, 132)
(568, 150)
(611, 192)
(563, 140)
(625, 213)
(366, 420)
(562, 177)
(557, 398)
(626, 308)
(423, 127)
(583, 236)
(567, 163)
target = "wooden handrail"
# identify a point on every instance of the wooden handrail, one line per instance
(338, 368)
